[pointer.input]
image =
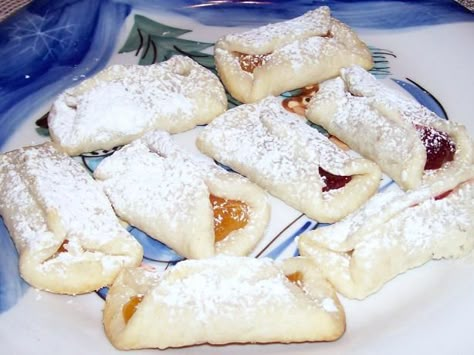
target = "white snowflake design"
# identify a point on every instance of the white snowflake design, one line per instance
(40, 35)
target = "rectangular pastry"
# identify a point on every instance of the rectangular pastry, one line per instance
(410, 143)
(66, 233)
(283, 56)
(222, 300)
(121, 103)
(279, 151)
(185, 201)
(391, 234)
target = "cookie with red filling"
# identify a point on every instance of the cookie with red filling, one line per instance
(410, 143)
(279, 151)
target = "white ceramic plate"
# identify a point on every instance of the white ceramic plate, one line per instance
(424, 48)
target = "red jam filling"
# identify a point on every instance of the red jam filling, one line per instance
(332, 181)
(439, 147)
(438, 197)
(443, 195)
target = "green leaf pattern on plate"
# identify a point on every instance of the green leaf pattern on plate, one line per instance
(156, 42)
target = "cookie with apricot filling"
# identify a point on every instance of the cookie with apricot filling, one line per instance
(67, 235)
(222, 300)
(183, 200)
(287, 55)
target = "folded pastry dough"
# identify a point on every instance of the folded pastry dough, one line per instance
(280, 152)
(391, 234)
(67, 235)
(178, 198)
(121, 103)
(222, 300)
(410, 143)
(287, 55)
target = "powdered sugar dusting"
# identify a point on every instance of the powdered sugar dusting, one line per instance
(376, 211)
(358, 114)
(111, 102)
(154, 166)
(329, 305)
(307, 49)
(66, 201)
(402, 132)
(21, 213)
(430, 228)
(361, 83)
(312, 23)
(123, 102)
(392, 242)
(165, 191)
(56, 180)
(273, 141)
(59, 263)
(223, 285)
(436, 220)
(60, 219)
(298, 53)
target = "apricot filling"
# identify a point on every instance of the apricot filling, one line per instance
(229, 215)
(248, 62)
(62, 249)
(333, 182)
(439, 146)
(296, 277)
(129, 308)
